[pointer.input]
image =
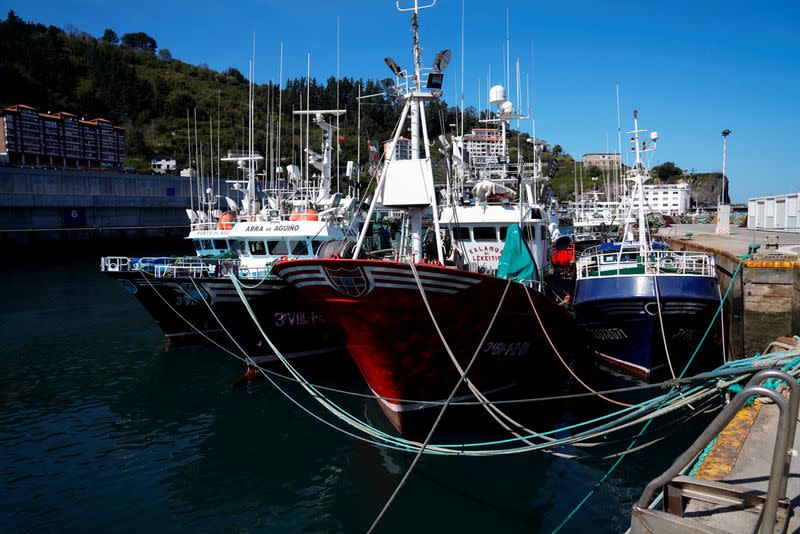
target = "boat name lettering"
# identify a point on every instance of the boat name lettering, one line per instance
(685, 334)
(485, 253)
(286, 228)
(608, 334)
(288, 319)
(254, 228)
(507, 348)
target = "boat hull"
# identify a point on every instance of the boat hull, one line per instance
(178, 306)
(379, 310)
(619, 316)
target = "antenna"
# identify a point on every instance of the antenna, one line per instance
(508, 55)
(619, 148)
(416, 7)
(189, 154)
(280, 103)
(337, 105)
(462, 67)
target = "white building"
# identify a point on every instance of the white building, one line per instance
(666, 199)
(484, 145)
(777, 212)
(403, 149)
(189, 173)
(163, 165)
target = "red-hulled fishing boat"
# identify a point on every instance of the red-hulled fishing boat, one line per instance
(466, 286)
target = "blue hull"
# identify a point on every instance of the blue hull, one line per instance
(620, 317)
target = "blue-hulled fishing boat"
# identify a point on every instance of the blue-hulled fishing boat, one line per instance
(644, 308)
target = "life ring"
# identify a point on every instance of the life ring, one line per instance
(307, 215)
(226, 221)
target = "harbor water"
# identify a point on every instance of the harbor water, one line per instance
(104, 429)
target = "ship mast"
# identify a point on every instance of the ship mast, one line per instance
(638, 175)
(411, 189)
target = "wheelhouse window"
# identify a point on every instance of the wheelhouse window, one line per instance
(460, 233)
(198, 245)
(278, 248)
(483, 233)
(529, 231)
(233, 245)
(206, 244)
(503, 233)
(220, 244)
(257, 248)
(299, 248)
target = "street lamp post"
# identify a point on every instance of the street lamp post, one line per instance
(725, 134)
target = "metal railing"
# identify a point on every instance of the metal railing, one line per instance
(677, 489)
(115, 264)
(659, 262)
(187, 266)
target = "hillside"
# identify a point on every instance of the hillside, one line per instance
(134, 83)
(140, 86)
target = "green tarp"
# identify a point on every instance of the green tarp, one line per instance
(516, 261)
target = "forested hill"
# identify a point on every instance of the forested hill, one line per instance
(133, 82)
(140, 86)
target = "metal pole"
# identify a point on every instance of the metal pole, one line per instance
(725, 134)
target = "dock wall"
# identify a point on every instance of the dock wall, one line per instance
(47, 204)
(764, 302)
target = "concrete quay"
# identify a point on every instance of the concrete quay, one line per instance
(764, 301)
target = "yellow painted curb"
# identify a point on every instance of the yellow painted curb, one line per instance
(720, 460)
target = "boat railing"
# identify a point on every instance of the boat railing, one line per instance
(115, 264)
(658, 262)
(534, 284)
(188, 266)
(204, 226)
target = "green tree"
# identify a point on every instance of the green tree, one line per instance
(667, 170)
(165, 55)
(110, 36)
(557, 150)
(139, 41)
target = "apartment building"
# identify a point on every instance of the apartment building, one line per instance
(484, 145)
(29, 137)
(403, 149)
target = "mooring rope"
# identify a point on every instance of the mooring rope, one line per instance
(493, 411)
(661, 322)
(613, 467)
(461, 379)
(373, 396)
(561, 359)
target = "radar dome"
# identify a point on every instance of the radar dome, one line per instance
(507, 108)
(497, 95)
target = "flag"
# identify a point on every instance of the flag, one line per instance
(373, 151)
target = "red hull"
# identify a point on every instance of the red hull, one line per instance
(378, 307)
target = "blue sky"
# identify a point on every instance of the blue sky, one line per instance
(691, 68)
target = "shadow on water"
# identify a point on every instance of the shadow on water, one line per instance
(102, 429)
